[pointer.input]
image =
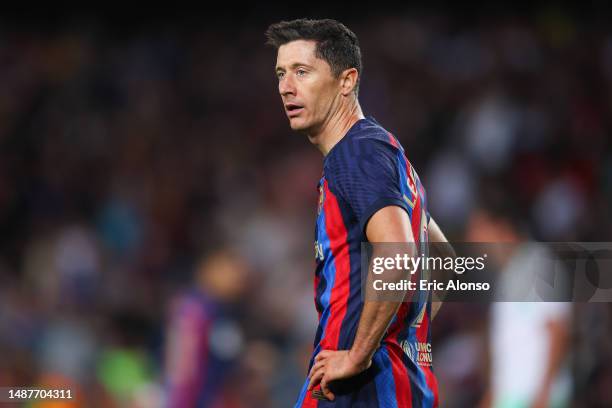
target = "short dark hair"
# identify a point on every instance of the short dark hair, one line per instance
(335, 43)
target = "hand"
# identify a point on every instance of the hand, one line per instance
(334, 365)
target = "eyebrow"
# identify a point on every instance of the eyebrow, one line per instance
(294, 65)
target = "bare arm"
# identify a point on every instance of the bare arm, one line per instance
(389, 224)
(558, 334)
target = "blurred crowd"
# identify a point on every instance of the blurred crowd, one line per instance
(138, 163)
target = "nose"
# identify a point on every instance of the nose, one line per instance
(286, 86)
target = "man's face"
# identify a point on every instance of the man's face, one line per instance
(306, 85)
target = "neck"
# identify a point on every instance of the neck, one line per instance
(335, 127)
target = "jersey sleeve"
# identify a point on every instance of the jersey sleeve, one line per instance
(364, 173)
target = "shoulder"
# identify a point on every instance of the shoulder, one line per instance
(365, 164)
(366, 142)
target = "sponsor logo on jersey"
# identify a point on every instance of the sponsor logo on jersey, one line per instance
(419, 352)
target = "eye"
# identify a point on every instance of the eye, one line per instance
(280, 75)
(301, 72)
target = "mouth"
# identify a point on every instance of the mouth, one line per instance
(293, 109)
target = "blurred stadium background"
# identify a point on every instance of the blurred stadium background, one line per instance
(153, 198)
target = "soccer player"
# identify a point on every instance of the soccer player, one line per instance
(204, 338)
(366, 353)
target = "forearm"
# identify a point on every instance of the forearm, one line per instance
(380, 306)
(375, 318)
(390, 232)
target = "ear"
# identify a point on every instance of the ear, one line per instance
(348, 80)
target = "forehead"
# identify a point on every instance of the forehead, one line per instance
(295, 52)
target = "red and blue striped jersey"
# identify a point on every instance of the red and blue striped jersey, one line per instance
(198, 363)
(364, 172)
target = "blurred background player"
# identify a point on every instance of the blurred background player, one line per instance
(204, 339)
(528, 341)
